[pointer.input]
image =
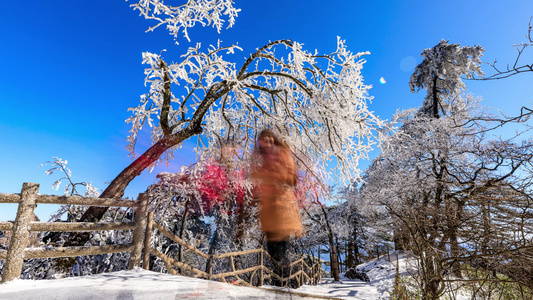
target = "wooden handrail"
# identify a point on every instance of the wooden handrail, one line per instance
(176, 239)
(71, 200)
(178, 264)
(42, 252)
(74, 200)
(237, 272)
(295, 262)
(9, 198)
(265, 271)
(234, 273)
(6, 226)
(80, 226)
(72, 226)
(244, 252)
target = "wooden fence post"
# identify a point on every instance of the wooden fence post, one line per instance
(21, 232)
(261, 259)
(139, 231)
(312, 271)
(290, 274)
(302, 273)
(147, 241)
(210, 269)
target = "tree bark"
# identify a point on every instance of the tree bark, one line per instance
(182, 230)
(334, 262)
(212, 246)
(435, 98)
(350, 258)
(118, 185)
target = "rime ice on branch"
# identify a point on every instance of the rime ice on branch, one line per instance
(318, 101)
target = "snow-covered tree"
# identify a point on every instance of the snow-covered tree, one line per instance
(435, 205)
(319, 101)
(325, 218)
(211, 189)
(516, 67)
(71, 188)
(440, 73)
(47, 268)
(322, 110)
(179, 18)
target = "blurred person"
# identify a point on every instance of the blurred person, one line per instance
(280, 218)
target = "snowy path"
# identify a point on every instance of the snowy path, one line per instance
(142, 284)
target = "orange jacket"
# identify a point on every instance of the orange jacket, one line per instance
(279, 216)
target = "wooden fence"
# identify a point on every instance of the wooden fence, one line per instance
(28, 199)
(305, 275)
(143, 226)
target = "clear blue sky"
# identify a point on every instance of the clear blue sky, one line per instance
(71, 69)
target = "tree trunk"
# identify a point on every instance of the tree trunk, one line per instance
(334, 262)
(401, 241)
(454, 242)
(118, 185)
(182, 230)
(333, 257)
(357, 257)
(435, 99)
(212, 247)
(350, 258)
(339, 252)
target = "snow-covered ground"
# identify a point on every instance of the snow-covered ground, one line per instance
(142, 284)
(381, 272)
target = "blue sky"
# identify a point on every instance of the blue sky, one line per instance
(71, 69)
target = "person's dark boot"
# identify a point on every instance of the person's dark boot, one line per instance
(275, 282)
(294, 284)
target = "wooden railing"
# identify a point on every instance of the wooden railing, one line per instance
(305, 275)
(143, 226)
(23, 225)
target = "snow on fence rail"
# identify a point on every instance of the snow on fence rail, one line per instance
(143, 225)
(27, 200)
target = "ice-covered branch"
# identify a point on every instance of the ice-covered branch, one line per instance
(179, 18)
(279, 86)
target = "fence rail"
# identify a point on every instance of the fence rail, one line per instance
(143, 226)
(71, 200)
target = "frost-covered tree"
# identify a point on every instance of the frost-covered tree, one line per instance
(428, 182)
(46, 268)
(211, 189)
(322, 110)
(445, 223)
(319, 101)
(440, 73)
(324, 223)
(516, 67)
(367, 231)
(71, 188)
(179, 18)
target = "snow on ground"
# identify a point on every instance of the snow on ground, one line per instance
(142, 284)
(381, 272)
